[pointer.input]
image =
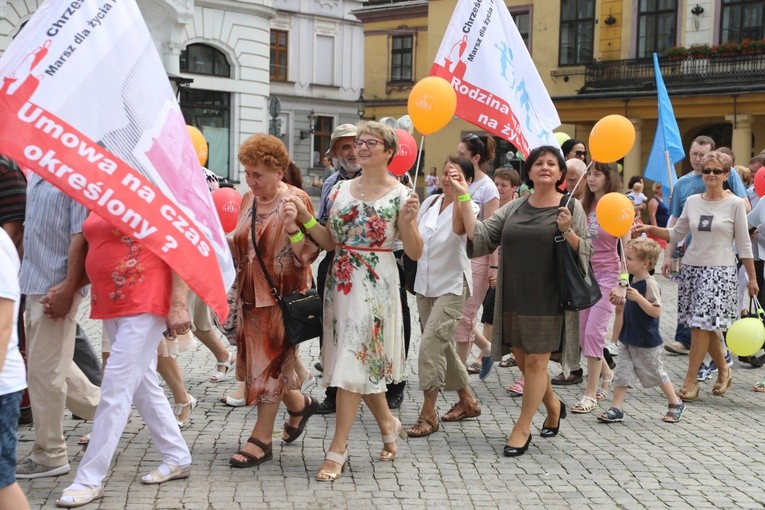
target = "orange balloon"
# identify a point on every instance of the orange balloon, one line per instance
(611, 138)
(615, 214)
(200, 144)
(431, 105)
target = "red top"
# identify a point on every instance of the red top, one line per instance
(127, 278)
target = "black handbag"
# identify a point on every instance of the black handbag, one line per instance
(301, 312)
(574, 290)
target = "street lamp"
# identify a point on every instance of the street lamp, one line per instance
(305, 133)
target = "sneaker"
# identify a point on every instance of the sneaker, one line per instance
(712, 369)
(676, 347)
(28, 469)
(612, 348)
(704, 372)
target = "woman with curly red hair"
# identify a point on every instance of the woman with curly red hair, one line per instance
(265, 361)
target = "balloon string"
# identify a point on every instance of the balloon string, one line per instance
(571, 195)
(417, 165)
(622, 259)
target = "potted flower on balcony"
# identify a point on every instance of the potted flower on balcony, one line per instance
(727, 49)
(699, 51)
(752, 46)
(676, 53)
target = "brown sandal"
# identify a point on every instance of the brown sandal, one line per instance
(309, 409)
(424, 427)
(462, 410)
(252, 460)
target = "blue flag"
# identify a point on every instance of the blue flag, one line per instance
(667, 146)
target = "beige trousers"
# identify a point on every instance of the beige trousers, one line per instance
(54, 380)
(438, 365)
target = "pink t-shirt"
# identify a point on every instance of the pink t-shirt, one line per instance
(605, 258)
(127, 278)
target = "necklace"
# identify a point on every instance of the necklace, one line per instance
(266, 202)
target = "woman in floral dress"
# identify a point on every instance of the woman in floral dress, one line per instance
(363, 330)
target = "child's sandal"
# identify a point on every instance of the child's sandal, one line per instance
(674, 413)
(584, 406)
(613, 415)
(602, 392)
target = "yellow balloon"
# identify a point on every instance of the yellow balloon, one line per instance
(611, 138)
(431, 105)
(200, 144)
(615, 214)
(745, 336)
(561, 137)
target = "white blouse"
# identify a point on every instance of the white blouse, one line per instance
(444, 264)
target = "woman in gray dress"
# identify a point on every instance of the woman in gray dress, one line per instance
(528, 318)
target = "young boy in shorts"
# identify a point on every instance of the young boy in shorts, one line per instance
(12, 374)
(640, 344)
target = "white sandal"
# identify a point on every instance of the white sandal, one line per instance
(178, 410)
(159, 476)
(603, 388)
(584, 406)
(72, 498)
(223, 372)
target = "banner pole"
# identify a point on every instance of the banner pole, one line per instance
(417, 164)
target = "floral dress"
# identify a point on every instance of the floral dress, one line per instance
(363, 329)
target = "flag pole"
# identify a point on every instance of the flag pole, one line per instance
(669, 170)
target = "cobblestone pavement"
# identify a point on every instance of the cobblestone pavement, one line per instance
(714, 458)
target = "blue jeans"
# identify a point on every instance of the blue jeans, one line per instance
(683, 335)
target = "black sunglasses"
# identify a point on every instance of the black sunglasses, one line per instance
(716, 171)
(580, 154)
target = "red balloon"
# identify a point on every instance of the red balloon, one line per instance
(759, 182)
(406, 155)
(227, 202)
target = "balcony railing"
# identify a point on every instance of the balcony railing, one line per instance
(638, 74)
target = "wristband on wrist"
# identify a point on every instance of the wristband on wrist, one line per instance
(568, 231)
(310, 223)
(493, 267)
(296, 238)
(464, 197)
(625, 277)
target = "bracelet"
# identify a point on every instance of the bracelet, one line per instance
(464, 197)
(310, 223)
(296, 238)
(624, 277)
(493, 267)
(569, 229)
(623, 283)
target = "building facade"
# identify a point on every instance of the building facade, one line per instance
(595, 59)
(317, 73)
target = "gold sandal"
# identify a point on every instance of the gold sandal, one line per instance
(386, 455)
(328, 476)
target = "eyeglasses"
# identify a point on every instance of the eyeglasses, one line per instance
(371, 143)
(580, 154)
(716, 171)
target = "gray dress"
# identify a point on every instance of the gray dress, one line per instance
(487, 238)
(532, 318)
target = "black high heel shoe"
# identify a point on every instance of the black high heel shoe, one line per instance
(512, 451)
(548, 432)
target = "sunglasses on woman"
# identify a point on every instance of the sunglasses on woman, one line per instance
(716, 171)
